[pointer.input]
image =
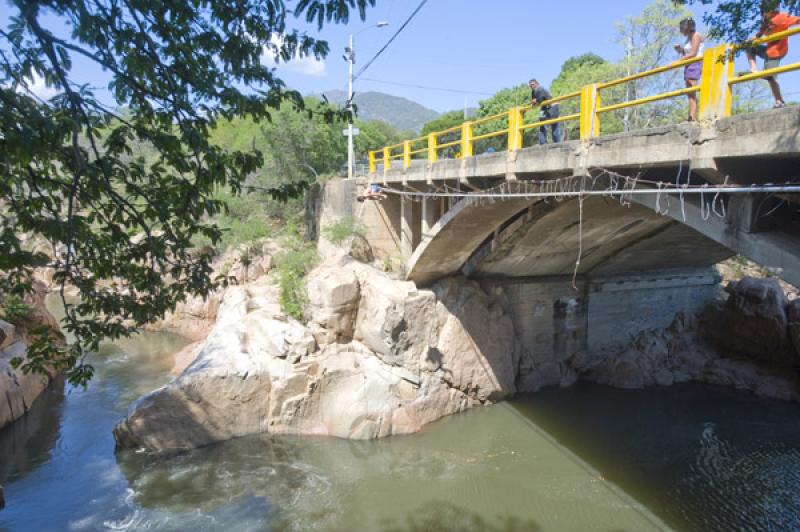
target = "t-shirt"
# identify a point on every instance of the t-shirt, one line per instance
(540, 94)
(780, 22)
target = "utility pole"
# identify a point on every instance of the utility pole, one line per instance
(350, 57)
(351, 60)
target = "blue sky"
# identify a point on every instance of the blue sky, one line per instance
(469, 45)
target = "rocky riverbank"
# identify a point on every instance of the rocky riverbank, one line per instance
(18, 390)
(749, 341)
(377, 356)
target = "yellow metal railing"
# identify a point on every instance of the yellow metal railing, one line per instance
(714, 101)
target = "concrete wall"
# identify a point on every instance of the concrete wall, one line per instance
(381, 219)
(554, 321)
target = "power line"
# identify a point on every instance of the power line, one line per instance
(385, 46)
(460, 91)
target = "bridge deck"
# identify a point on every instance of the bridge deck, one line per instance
(758, 147)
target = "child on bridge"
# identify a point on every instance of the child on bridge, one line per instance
(772, 52)
(692, 48)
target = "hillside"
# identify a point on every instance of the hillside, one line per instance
(401, 113)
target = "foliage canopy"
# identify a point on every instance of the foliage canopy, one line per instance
(121, 226)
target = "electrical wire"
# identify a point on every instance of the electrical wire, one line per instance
(391, 39)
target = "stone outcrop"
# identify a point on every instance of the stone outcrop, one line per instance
(195, 317)
(681, 354)
(793, 316)
(753, 322)
(18, 390)
(378, 358)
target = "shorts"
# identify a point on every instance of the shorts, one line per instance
(769, 62)
(693, 71)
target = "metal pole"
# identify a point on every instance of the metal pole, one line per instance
(351, 60)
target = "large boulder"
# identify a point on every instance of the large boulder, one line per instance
(753, 322)
(258, 371)
(333, 295)
(475, 342)
(402, 358)
(394, 319)
(793, 315)
(7, 334)
(18, 389)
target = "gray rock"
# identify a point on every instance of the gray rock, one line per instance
(333, 296)
(258, 371)
(476, 340)
(361, 250)
(7, 333)
(753, 321)
(793, 316)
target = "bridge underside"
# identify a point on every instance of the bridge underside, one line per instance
(611, 239)
(530, 238)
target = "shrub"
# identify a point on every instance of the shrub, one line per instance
(15, 310)
(343, 229)
(292, 266)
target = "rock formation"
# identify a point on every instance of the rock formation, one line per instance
(753, 322)
(745, 342)
(378, 358)
(18, 390)
(793, 316)
(194, 318)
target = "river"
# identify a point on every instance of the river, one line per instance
(688, 457)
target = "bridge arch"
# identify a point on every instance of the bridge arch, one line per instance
(525, 237)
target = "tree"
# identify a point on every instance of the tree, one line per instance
(444, 122)
(375, 134)
(738, 20)
(647, 40)
(448, 120)
(498, 104)
(122, 225)
(577, 72)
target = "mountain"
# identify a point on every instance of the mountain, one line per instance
(402, 113)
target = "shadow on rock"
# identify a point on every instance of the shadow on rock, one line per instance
(28, 442)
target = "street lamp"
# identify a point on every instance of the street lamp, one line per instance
(350, 57)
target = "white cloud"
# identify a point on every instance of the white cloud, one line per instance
(306, 65)
(38, 88)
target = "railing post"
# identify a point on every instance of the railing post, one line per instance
(466, 139)
(715, 100)
(387, 160)
(406, 154)
(373, 164)
(590, 119)
(515, 119)
(432, 150)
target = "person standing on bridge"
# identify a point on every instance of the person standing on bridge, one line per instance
(772, 52)
(540, 96)
(692, 48)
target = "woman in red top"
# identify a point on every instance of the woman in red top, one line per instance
(774, 51)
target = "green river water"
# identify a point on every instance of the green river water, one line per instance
(688, 457)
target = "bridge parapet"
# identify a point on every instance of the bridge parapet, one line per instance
(714, 97)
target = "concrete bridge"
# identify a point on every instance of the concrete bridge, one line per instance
(585, 275)
(638, 267)
(530, 237)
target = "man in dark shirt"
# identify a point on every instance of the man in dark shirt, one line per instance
(538, 95)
